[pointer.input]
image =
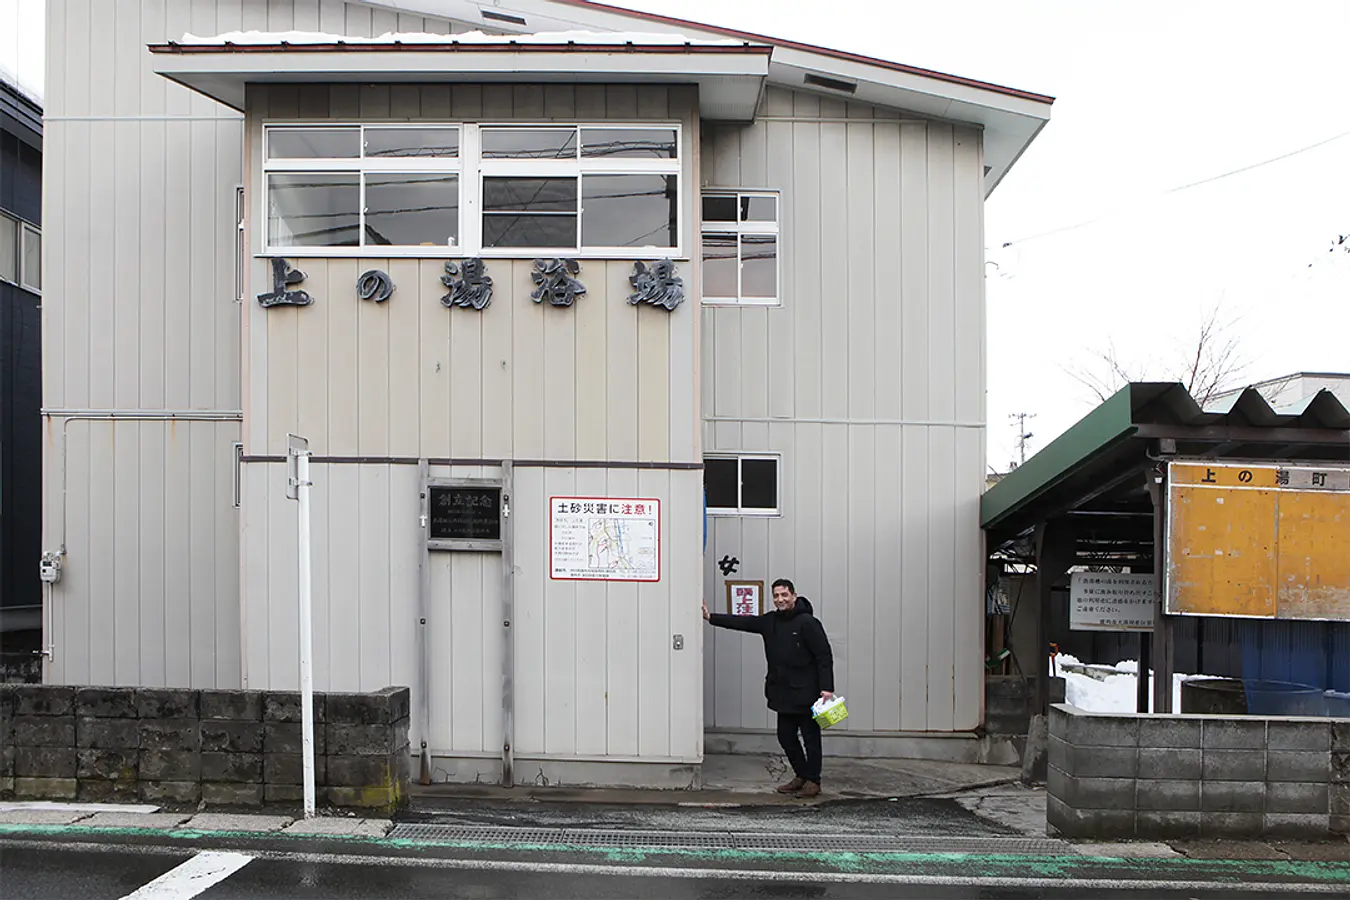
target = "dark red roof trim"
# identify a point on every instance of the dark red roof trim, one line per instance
(811, 48)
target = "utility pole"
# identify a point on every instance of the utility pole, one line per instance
(1023, 436)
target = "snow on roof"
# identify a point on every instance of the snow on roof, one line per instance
(472, 37)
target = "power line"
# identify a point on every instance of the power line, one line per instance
(1180, 187)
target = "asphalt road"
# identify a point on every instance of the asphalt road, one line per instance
(43, 871)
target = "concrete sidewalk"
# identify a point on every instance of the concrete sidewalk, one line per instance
(128, 817)
(749, 780)
(1010, 809)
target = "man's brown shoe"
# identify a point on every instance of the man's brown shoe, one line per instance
(794, 786)
(810, 789)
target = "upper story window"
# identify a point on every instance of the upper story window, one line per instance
(740, 247)
(506, 190)
(20, 253)
(741, 484)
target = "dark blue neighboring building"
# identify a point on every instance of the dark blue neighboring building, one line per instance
(20, 384)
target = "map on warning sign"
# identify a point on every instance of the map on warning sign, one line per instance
(605, 539)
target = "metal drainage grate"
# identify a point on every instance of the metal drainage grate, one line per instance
(722, 840)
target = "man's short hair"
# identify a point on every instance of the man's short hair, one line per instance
(783, 582)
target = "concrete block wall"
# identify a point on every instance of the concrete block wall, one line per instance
(1008, 702)
(185, 747)
(1172, 776)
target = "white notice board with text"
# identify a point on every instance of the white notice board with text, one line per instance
(604, 539)
(1111, 601)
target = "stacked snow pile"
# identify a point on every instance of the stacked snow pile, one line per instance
(1108, 689)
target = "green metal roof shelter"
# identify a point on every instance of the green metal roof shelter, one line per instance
(1097, 468)
(1095, 495)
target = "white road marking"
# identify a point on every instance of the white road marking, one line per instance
(191, 878)
(45, 805)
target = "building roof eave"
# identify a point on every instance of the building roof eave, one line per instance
(730, 78)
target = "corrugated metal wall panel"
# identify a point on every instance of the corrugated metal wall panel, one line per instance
(137, 314)
(138, 317)
(596, 673)
(505, 400)
(883, 315)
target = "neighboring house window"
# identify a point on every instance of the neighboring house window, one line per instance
(9, 250)
(468, 189)
(740, 247)
(20, 253)
(741, 485)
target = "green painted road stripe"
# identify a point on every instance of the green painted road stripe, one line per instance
(866, 864)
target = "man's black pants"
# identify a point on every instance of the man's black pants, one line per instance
(806, 764)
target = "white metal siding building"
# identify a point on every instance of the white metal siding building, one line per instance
(830, 244)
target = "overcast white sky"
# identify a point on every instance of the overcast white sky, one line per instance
(1150, 95)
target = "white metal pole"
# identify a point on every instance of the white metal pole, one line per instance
(306, 649)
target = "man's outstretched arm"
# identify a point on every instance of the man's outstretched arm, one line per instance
(735, 623)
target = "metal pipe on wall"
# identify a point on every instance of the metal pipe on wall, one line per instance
(135, 415)
(101, 415)
(423, 628)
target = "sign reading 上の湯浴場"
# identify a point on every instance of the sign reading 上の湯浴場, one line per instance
(604, 539)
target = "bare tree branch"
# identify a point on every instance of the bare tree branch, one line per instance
(1206, 367)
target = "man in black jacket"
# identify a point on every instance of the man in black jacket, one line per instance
(801, 670)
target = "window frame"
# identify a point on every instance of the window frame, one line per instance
(16, 249)
(22, 229)
(471, 169)
(742, 230)
(742, 510)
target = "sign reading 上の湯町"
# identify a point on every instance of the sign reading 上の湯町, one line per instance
(1261, 540)
(1110, 601)
(604, 539)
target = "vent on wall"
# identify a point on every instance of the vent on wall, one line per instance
(832, 84)
(502, 17)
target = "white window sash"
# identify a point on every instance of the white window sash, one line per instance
(472, 169)
(743, 230)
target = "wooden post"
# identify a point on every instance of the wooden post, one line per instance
(1142, 678)
(1055, 553)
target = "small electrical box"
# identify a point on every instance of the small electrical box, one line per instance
(49, 567)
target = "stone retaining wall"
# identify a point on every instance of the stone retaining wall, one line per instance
(1188, 776)
(185, 747)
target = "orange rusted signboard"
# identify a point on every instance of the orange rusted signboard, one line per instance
(1266, 541)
